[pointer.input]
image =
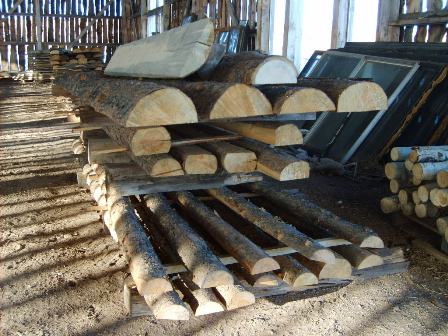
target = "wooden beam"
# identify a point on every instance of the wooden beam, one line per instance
(143, 19)
(388, 11)
(340, 23)
(11, 10)
(38, 24)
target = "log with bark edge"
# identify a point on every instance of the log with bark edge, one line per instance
(144, 265)
(294, 273)
(429, 154)
(400, 153)
(442, 225)
(358, 257)
(350, 95)
(340, 269)
(159, 165)
(291, 99)
(145, 141)
(206, 269)
(167, 306)
(428, 170)
(275, 163)
(235, 296)
(249, 255)
(300, 205)
(424, 190)
(283, 232)
(215, 100)
(129, 103)
(104, 151)
(439, 197)
(175, 53)
(272, 133)
(255, 68)
(195, 160)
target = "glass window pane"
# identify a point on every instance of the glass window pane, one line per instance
(334, 66)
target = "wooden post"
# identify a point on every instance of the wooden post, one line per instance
(38, 24)
(388, 11)
(340, 23)
(292, 32)
(143, 19)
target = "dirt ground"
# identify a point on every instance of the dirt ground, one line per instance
(60, 274)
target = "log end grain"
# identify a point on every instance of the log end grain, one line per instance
(442, 179)
(372, 241)
(167, 306)
(214, 279)
(166, 166)
(275, 70)
(263, 265)
(442, 225)
(266, 280)
(390, 204)
(167, 106)
(241, 161)
(340, 269)
(362, 97)
(288, 134)
(235, 296)
(240, 100)
(305, 279)
(153, 286)
(305, 100)
(154, 140)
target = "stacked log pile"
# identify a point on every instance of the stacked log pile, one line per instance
(419, 183)
(180, 144)
(203, 252)
(78, 59)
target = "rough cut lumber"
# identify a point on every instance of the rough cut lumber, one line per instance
(275, 163)
(144, 265)
(424, 190)
(145, 141)
(175, 53)
(167, 306)
(223, 100)
(428, 154)
(295, 274)
(289, 99)
(442, 178)
(195, 160)
(350, 95)
(283, 232)
(205, 267)
(390, 204)
(255, 68)
(297, 203)
(400, 153)
(358, 257)
(395, 170)
(428, 170)
(235, 296)
(129, 103)
(159, 165)
(272, 133)
(202, 301)
(250, 256)
(340, 269)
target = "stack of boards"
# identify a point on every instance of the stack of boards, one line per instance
(163, 136)
(78, 59)
(39, 64)
(419, 180)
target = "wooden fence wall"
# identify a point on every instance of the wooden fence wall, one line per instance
(61, 21)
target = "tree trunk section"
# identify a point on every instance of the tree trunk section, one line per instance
(195, 160)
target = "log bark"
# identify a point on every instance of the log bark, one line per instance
(255, 68)
(283, 232)
(428, 154)
(251, 257)
(350, 95)
(400, 153)
(223, 100)
(195, 160)
(129, 103)
(295, 274)
(275, 163)
(146, 141)
(428, 171)
(390, 204)
(144, 265)
(289, 99)
(205, 267)
(159, 165)
(175, 53)
(272, 133)
(298, 204)
(100, 152)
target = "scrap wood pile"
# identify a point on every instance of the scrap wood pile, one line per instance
(79, 58)
(419, 181)
(163, 152)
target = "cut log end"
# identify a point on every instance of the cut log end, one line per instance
(370, 261)
(324, 255)
(341, 269)
(235, 296)
(214, 279)
(166, 167)
(372, 242)
(369, 96)
(295, 171)
(264, 265)
(167, 106)
(242, 162)
(305, 279)
(153, 286)
(209, 308)
(200, 164)
(304, 101)
(167, 306)
(155, 140)
(266, 280)
(241, 100)
(275, 70)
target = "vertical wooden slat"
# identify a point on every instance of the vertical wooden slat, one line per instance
(252, 11)
(388, 11)
(38, 24)
(13, 48)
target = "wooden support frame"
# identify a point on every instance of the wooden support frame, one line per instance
(340, 27)
(11, 10)
(388, 11)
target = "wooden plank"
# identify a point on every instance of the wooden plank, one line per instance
(340, 23)
(388, 11)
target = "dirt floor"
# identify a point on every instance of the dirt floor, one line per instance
(60, 274)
